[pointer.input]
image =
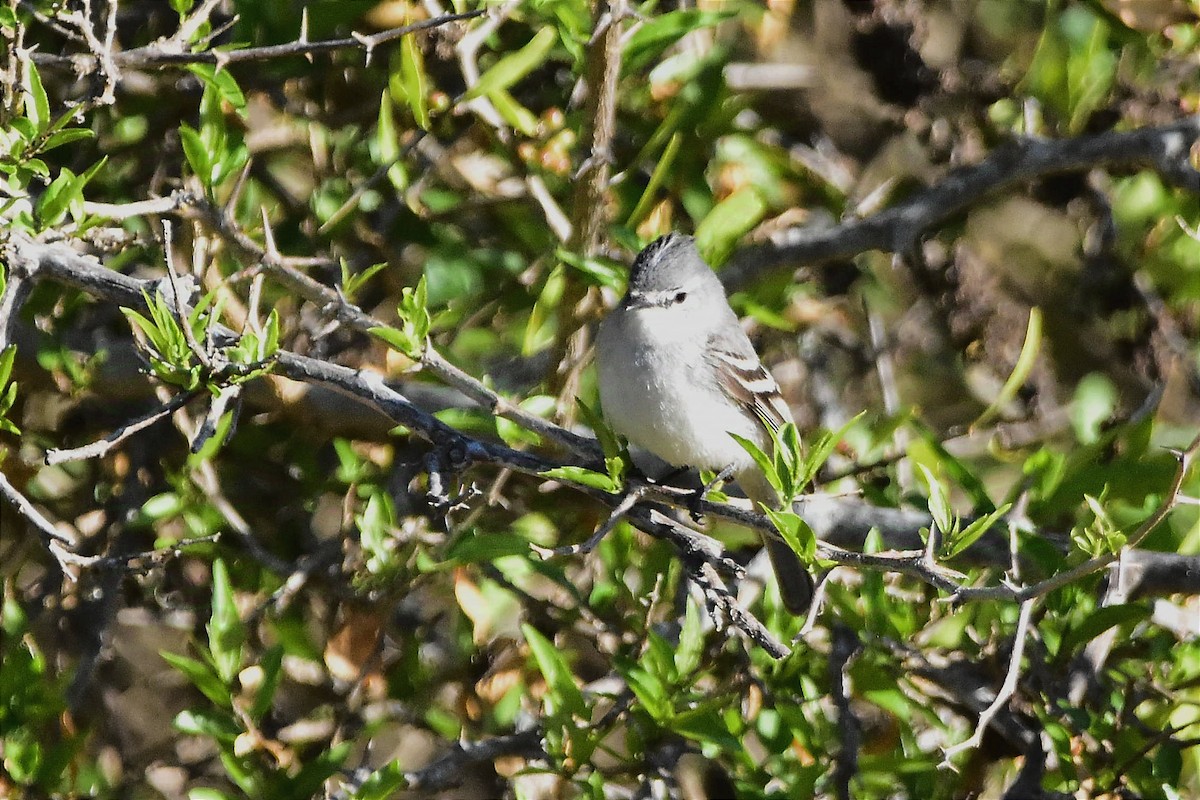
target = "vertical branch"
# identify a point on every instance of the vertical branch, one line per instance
(579, 302)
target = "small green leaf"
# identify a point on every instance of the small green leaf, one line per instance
(37, 105)
(939, 501)
(514, 113)
(162, 506)
(483, 548)
(59, 138)
(205, 722)
(609, 443)
(955, 543)
(272, 667)
(511, 68)
(387, 146)
(7, 357)
(202, 677)
(52, 205)
(1021, 371)
(196, 153)
(663, 30)
(225, 629)
(223, 82)
(352, 282)
(729, 221)
(383, 784)
(1097, 623)
(691, 640)
(412, 71)
(822, 449)
(398, 339)
(585, 477)
(657, 177)
(764, 462)
(795, 532)
(1094, 403)
(562, 697)
(204, 792)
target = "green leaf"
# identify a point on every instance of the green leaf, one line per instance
(662, 31)
(352, 282)
(52, 205)
(1094, 403)
(955, 543)
(59, 138)
(822, 449)
(307, 782)
(483, 548)
(650, 692)
(206, 722)
(383, 783)
(765, 463)
(223, 82)
(609, 443)
(730, 220)
(511, 68)
(396, 338)
(795, 532)
(691, 640)
(225, 629)
(7, 357)
(514, 113)
(204, 792)
(706, 725)
(37, 105)
(272, 667)
(1021, 371)
(562, 697)
(1097, 623)
(387, 145)
(202, 677)
(196, 153)
(412, 72)
(939, 500)
(657, 177)
(410, 338)
(583, 476)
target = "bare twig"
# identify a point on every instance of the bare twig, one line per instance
(160, 54)
(100, 447)
(1164, 149)
(1007, 689)
(627, 502)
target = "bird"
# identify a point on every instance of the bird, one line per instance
(677, 375)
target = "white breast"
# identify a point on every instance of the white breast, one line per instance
(663, 399)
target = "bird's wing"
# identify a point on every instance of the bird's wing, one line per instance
(744, 379)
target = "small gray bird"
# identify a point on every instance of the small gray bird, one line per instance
(678, 374)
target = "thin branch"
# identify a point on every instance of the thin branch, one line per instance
(1164, 149)
(628, 500)
(159, 54)
(101, 447)
(1007, 690)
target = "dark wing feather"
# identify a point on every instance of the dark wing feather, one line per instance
(744, 379)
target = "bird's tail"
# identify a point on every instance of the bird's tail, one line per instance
(795, 583)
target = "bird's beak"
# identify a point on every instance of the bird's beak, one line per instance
(635, 300)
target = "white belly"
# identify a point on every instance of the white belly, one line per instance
(675, 413)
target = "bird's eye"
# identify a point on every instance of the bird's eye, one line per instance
(679, 297)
